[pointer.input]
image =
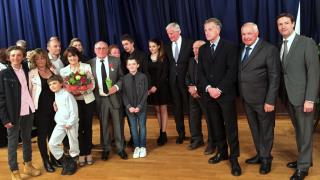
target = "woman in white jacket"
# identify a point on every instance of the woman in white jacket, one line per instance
(41, 70)
(85, 103)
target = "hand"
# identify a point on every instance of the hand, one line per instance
(112, 90)
(192, 90)
(196, 95)
(214, 92)
(132, 110)
(67, 126)
(8, 125)
(136, 110)
(268, 107)
(55, 108)
(308, 106)
(153, 89)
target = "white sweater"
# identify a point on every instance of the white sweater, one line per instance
(67, 113)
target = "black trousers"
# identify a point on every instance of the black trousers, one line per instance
(85, 126)
(3, 136)
(179, 96)
(45, 124)
(222, 120)
(197, 110)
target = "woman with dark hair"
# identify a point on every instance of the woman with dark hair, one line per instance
(159, 89)
(43, 98)
(85, 103)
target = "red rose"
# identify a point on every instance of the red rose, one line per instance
(83, 80)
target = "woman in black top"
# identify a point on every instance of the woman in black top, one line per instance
(159, 88)
(43, 98)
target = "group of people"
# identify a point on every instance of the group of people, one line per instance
(203, 78)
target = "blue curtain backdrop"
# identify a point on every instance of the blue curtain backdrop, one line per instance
(92, 20)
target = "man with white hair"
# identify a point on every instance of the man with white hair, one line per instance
(179, 52)
(259, 78)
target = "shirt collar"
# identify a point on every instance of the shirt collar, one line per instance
(52, 58)
(254, 44)
(179, 40)
(291, 37)
(215, 42)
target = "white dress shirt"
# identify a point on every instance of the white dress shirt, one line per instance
(173, 45)
(98, 73)
(289, 43)
(56, 62)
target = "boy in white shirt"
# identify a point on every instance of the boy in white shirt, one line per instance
(67, 119)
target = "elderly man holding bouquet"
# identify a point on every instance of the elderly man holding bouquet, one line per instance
(78, 80)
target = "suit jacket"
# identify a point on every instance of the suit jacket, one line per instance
(219, 70)
(259, 75)
(301, 71)
(180, 68)
(192, 73)
(141, 84)
(115, 74)
(10, 95)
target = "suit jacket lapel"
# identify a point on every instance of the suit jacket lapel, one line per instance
(182, 48)
(253, 53)
(218, 49)
(291, 50)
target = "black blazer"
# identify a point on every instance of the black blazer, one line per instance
(219, 70)
(10, 94)
(190, 77)
(259, 75)
(180, 69)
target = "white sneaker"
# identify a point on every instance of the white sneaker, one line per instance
(143, 152)
(136, 153)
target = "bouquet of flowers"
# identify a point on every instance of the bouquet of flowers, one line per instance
(78, 83)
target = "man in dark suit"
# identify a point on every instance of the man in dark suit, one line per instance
(259, 78)
(217, 80)
(300, 69)
(107, 73)
(196, 104)
(179, 52)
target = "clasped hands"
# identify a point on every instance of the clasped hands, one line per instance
(134, 110)
(214, 92)
(193, 91)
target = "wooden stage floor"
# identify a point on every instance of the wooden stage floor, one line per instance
(176, 162)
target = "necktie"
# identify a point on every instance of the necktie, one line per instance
(285, 50)
(246, 54)
(134, 92)
(176, 52)
(212, 48)
(104, 77)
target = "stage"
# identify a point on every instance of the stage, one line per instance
(174, 161)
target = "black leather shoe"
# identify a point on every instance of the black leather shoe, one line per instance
(235, 167)
(209, 150)
(48, 167)
(180, 138)
(55, 163)
(253, 160)
(265, 167)
(299, 175)
(217, 158)
(123, 155)
(292, 165)
(195, 145)
(105, 155)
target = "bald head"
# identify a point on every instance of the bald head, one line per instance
(249, 33)
(196, 45)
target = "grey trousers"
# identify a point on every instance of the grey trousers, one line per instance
(107, 109)
(24, 124)
(303, 125)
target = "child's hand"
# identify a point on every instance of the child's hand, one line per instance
(67, 126)
(55, 107)
(136, 110)
(132, 110)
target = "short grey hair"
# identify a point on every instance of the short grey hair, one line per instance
(251, 24)
(200, 42)
(22, 43)
(53, 38)
(175, 26)
(216, 21)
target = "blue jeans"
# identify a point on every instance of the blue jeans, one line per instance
(138, 128)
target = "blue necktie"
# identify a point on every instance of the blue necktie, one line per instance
(246, 54)
(212, 48)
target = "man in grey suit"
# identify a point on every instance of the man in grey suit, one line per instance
(300, 68)
(259, 77)
(108, 82)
